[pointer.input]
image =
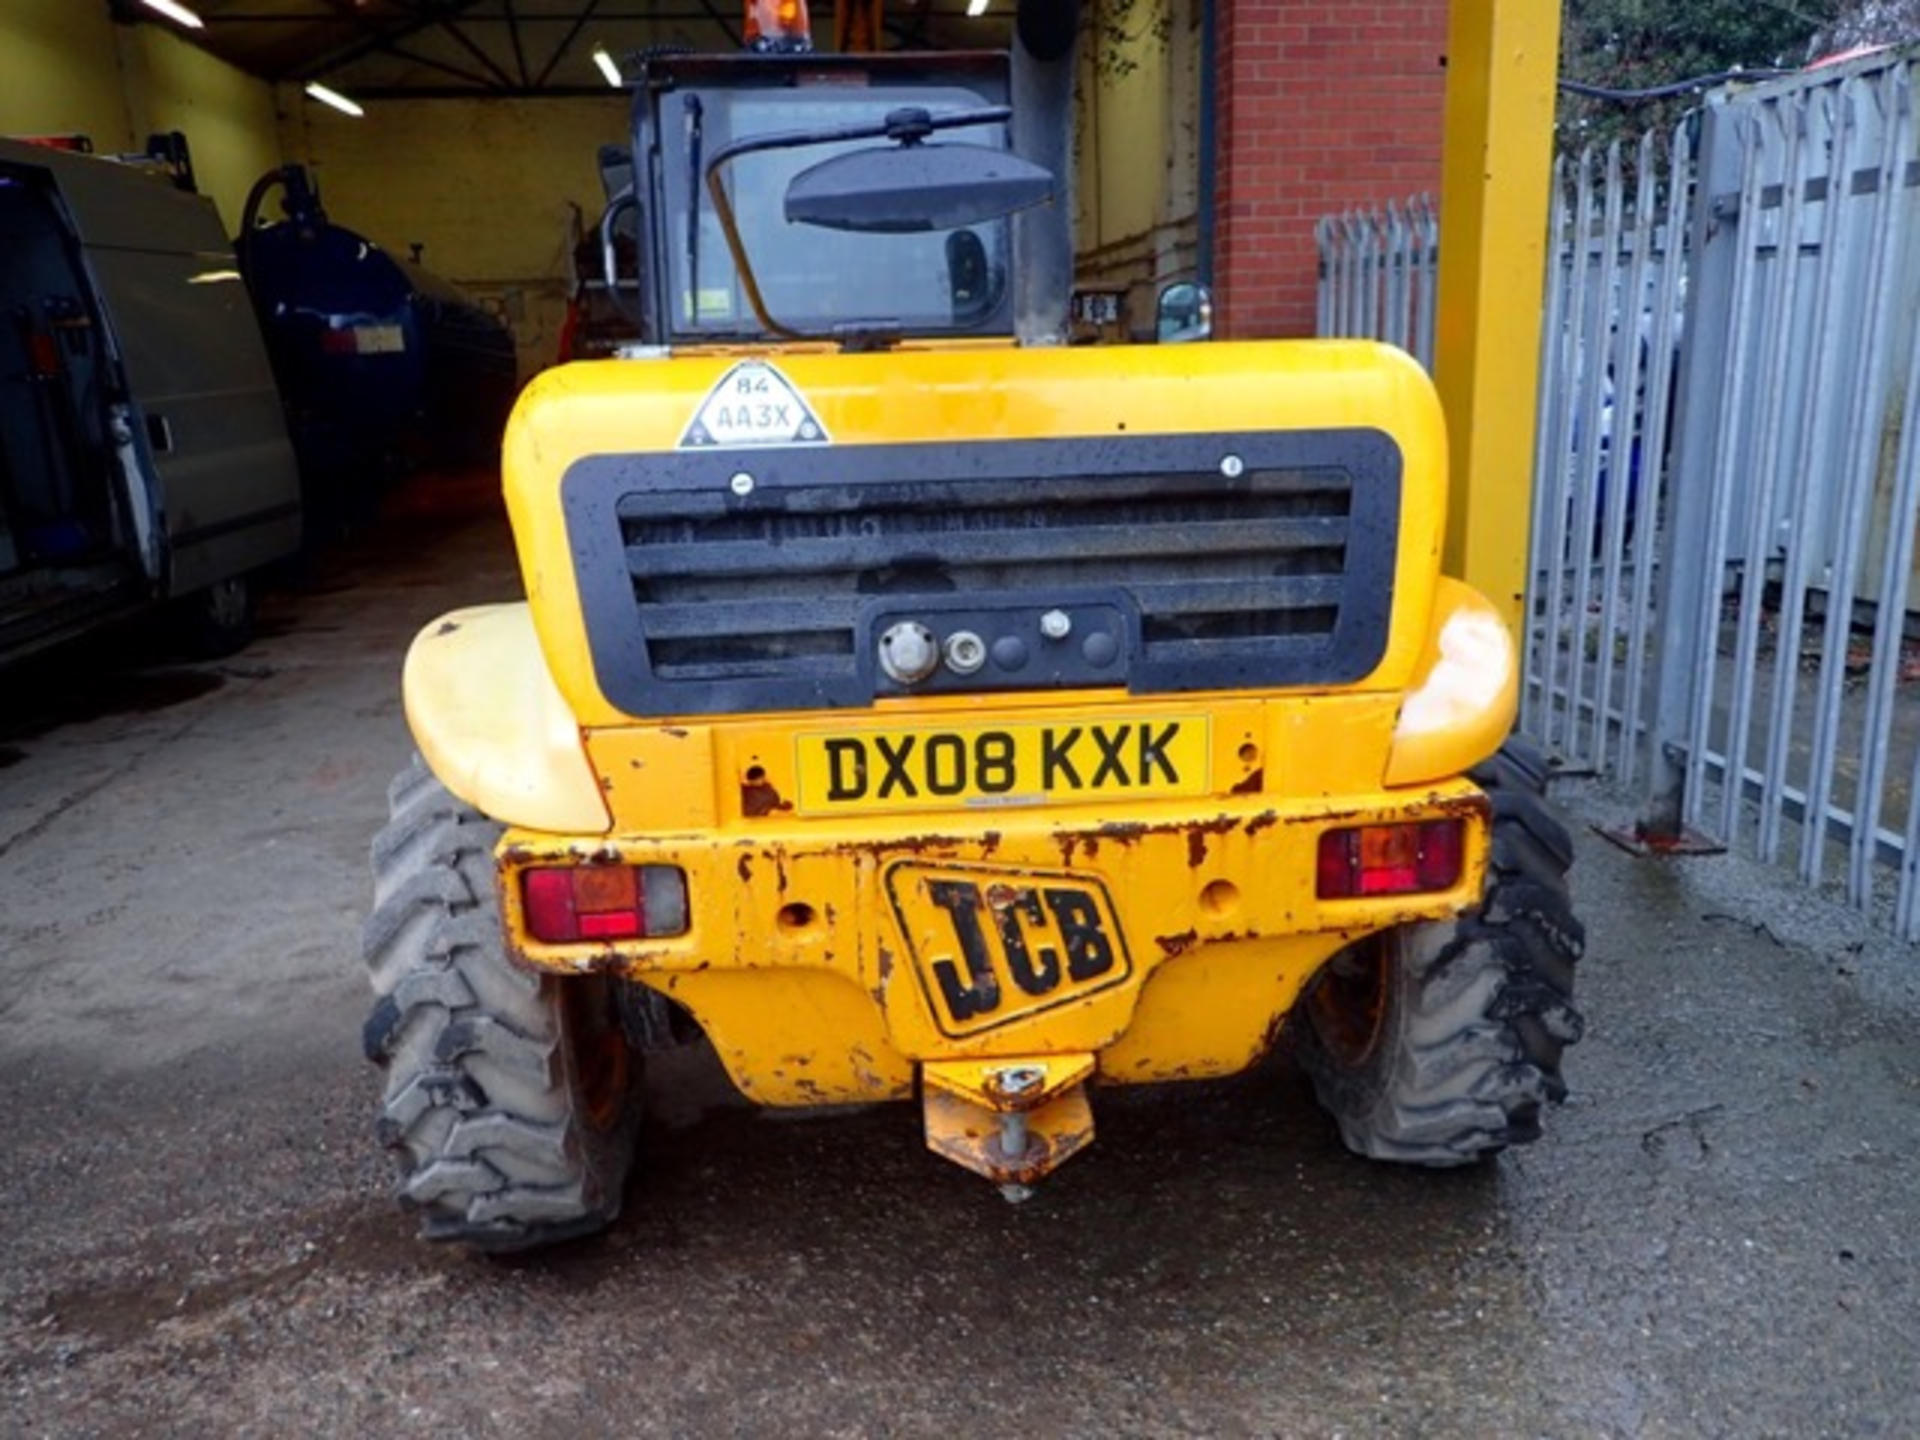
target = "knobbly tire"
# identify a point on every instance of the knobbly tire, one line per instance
(512, 1098)
(1440, 1043)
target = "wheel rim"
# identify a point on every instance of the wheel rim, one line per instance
(226, 603)
(1347, 1005)
(602, 1064)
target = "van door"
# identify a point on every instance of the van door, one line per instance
(207, 417)
(69, 551)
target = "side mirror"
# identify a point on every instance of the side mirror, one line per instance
(969, 276)
(1185, 313)
(900, 188)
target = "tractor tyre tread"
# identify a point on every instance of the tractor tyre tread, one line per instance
(482, 1106)
(1479, 1009)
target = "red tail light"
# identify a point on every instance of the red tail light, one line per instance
(604, 902)
(43, 355)
(1391, 859)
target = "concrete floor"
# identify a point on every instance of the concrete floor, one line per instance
(1719, 1235)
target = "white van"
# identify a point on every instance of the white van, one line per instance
(143, 455)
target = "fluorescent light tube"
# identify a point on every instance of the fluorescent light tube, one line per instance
(976, 7)
(609, 67)
(335, 99)
(178, 13)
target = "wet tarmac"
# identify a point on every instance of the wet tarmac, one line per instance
(1719, 1236)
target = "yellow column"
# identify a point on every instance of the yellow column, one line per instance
(1501, 61)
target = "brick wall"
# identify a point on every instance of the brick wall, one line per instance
(1320, 107)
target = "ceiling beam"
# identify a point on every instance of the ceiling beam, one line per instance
(494, 92)
(566, 42)
(360, 49)
(733, 35)
(519, 50)
(660, 12)
(345, 33)
(461, 38)
(477, 81)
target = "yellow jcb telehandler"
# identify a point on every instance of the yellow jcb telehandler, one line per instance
(918, 707)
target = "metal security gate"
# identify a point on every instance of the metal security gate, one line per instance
(1726, 490)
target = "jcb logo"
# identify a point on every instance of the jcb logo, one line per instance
(991, 946)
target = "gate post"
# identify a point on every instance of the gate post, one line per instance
(1687, 601)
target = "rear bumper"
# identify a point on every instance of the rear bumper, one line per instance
(826, 965)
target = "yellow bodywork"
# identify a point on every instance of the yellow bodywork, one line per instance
(617, 407)
(1147, 932)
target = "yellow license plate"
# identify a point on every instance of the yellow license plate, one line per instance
(992, 945)
(1024, 763)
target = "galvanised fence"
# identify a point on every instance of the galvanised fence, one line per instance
(1377, 274)
(1721, 610)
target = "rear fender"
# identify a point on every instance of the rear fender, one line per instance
(492, 725)
(1462, 707)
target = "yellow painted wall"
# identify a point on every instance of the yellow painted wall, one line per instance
(66, 68)
(226, 114)
(486, 188)
(1130, 138)
(60, 72)
(1138, 149)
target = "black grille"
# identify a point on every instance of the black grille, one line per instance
(1259, 560)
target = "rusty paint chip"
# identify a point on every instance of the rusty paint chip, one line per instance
(758, 798)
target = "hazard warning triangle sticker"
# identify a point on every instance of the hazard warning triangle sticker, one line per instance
(753, 404)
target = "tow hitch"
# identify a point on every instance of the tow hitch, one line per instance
(1011, 1120)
